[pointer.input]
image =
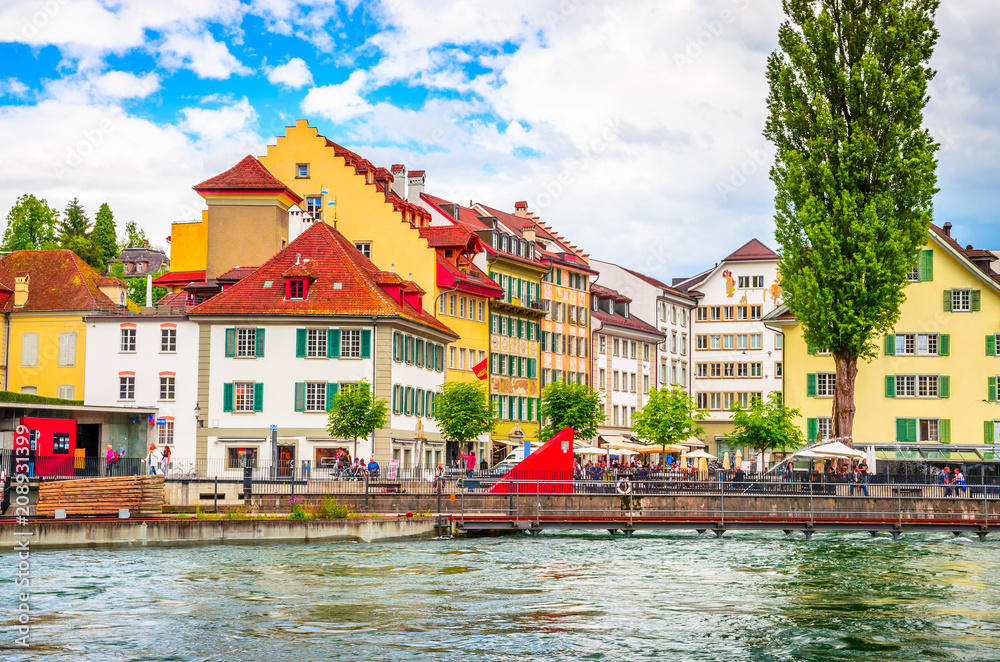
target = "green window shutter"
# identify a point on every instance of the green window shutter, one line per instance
(890, 386)
(395, 399)
(418, 402)
(976, 300)
(944, 430)
(991, 391)
(926, 266)
(812, 429)
(409, 349)
(300, 344)
(944, 386)
(366, 343)
(944, 344)
(395, 345)
(259, 343)
(258, 396)
(300, 396)
(532, 369)
(227, 396)
(531, 409)
(911, 430)
(333, 343)
(331, 394)
(890, 345)
(988, 432)
(230, 342)
(811, 385)
(900, 429)
(991, 345)
(811, 350)
(947, 301)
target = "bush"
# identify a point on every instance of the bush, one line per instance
(14, 396)
(237, 513)
(298, 512)
(330, 509)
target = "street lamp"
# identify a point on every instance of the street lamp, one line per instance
(197, 415)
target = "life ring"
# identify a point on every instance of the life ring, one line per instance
(623, 487)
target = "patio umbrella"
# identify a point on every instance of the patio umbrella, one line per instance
(725, 461)
(871, 460)
(624, 451)
(588, 450)
(738, 461)
(700, 454)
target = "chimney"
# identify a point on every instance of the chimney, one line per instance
(528, 230)
(399, 180)
(947, 229)
(521, 208)
(415, 186)
(21, 289)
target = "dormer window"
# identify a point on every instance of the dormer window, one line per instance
(296, 288)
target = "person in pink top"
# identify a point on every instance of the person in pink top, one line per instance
(470, 463)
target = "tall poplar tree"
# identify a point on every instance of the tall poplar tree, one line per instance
(105, 235)
(854, 171)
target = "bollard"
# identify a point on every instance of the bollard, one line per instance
(215, 495)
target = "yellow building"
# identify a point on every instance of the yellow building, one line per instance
(935, 377)
(46, 295)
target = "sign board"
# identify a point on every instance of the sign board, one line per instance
(274, 428)
(393, 470)
(161, 421)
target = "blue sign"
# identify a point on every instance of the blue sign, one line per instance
(274, 428)
(161, 421)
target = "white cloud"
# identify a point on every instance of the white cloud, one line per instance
(294, 74)
(126, 85)
(12, 87)
(205, 56)
(339, 102)
(220, 123)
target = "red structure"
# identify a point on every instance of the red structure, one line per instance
(53, 445)
(537, 472)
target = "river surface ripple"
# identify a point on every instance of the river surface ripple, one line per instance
(574, 596)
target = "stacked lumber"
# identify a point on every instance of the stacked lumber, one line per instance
(142, 495)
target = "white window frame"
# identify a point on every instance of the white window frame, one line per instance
(165, 434)
(246, 343)
(168, 341)
(126, 387)
(350, 343)
(315, 397)
(243, 396)
(316, 347)
(961, 300)
(168, 388)
(128, 341)
(825, 384)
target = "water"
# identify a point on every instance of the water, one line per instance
(748, 596)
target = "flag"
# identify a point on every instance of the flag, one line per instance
(330, 202)
(482, 369)
(325, 192)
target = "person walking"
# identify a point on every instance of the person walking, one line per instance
(152, 459)
(944, 479)
(165, 461)
(470, 462)
(958, 480)
(858, 480)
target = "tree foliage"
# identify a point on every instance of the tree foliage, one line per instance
(571, 405)
(31, 225)
(766, 425)
(75, 222)
(135, 237)
(463, 411)
(854, 171)
(105, 235)
(356, 413)
(137, 285)
(668, 417)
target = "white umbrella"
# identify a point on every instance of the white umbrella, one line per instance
(623, 451)
(699, 454)
(871, 460)
(832, 450)
(588, 450)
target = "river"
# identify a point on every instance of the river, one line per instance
(582, 596)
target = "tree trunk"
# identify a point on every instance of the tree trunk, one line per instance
(843, 398)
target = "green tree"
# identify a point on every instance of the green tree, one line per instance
(668, 417)
(137, 285)
(75, 221)
(31, 225)
(86, 250)
(105, 235)
(356, 413)
(571, 405)
(854, 170)
(766, 426)
(135, 237)
(463, 412)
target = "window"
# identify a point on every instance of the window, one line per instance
(779, 341)
(461, 307)
(905, 343)
(716, 369)
(237, 458)
(824, 427)
(452, 300)
(914, 274)
(701, 342)
(729, 313)
(316, 343)
(614, 380)
(741, 313)
(60, 443)
(778, 369)
(296, 288)
(742, 370)
(126, 387)
(728, 341)
(365, 248)
(961, 300)
(29, 390)
(715, 341)
(67, 349)
(701, 400)
(482, 311)
(743, 281)
(350, 343)
(645, 383)
(168, 340)
(701, 370)
(906, 386)
(645, 351)
(315, 396)
(927, 344)
(616, 347)
(128, 340)
(246, 342)
(741, 341)
(66, 392)
(29, 349)
(167, 385)
(715, 401)
(927, 386)
(728, 370)
(314, 207)
(632, 382)
(165, 434)
(302, 171)
(715, 313)
(824, 383)
(701, 314)
(930, 429)
(244, 400)
(758, 281)
(633, 346)
(756, 312)
(756, 341)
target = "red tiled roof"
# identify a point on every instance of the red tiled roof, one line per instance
(247, 174)
(608, 293)
(473, 282)
(630, 322)
(750, 251)
(236, 273)
(345, 284)
(449, 236)
(969, 253)
(416, 173)
(180, 278)
(173, 300)
(467, 217)
(57, 280)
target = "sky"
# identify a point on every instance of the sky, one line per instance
(634, 129)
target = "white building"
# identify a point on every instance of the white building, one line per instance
(668, 308)
(736, 357)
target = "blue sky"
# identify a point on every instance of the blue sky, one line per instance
(634, 128)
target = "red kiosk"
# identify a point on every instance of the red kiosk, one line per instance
(52, 448)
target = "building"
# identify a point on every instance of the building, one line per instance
(736, 356)
(934, 380)
(45, 297)
(668, 308)
(148, 361)
(276, 348)
(140, 261)
(624, 350)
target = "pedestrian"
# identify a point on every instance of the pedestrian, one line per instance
(958, 480)
(152, 459)
(373, 468)
(944, 478)
(857, 481)
(5, 483)
(470, 462)
(165, 461)
(111, 459)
